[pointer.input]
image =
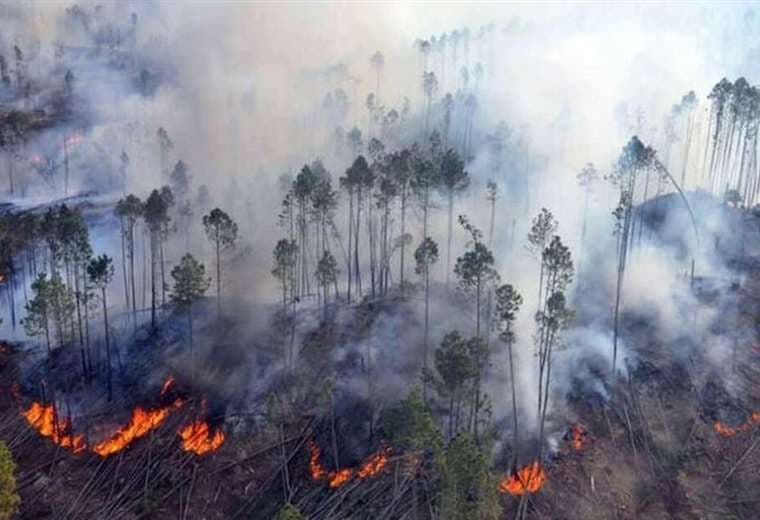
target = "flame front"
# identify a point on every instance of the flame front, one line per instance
(729, 431)
(529, 479)
(43, 419)
(197, 438)
(374, 464)
(142, 422)
(371, 466)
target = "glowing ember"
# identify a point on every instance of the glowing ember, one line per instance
(529, 479)
(167, 385)
(316, 469)
(340, 477)
(197, 438)
(43, 419)
(142, 422)
(577, 435)
(374, 464)
(729, 431)
(371, 466)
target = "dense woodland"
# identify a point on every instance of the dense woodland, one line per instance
(412, 316)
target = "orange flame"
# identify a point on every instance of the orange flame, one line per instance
(371, 466)
(340, 477)
(374, 464)
(43, 419)
(142, 422)
(577, 434)
(529, 479)
(316, 469)
(729, 431)
(197, 438)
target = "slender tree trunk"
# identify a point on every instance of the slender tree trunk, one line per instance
(357, 232)
(516, 436)
(448, 241)
(403, 233)
(218, 276)
(350, 241)
(192, 347)
(153, 295)
(427, 321)
(124, 262)
(108, 344)
(131, 245)
(478, 360)
(161, 243)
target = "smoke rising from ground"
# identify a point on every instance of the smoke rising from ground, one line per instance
(239, 88)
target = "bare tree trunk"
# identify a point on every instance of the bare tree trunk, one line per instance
(448, 241)
(516, 435)
(124, 261)
(403, 242)
(218, 277)
(108, 344)
(350, 240)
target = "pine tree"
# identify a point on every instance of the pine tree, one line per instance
(222, 231)
(425, 256)
(190, 284)
(100, 272)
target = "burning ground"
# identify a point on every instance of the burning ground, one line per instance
(668, 439)
(244, 275)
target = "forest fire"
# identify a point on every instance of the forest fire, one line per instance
(729, 431)
(44, 419)
(371, 466)
(577, 436)
(529, 479)
(142, 422)
(197, 438)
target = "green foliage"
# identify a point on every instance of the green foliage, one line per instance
(468, 488)
(358, 175)
(9, 499)
(327, 269)
(558, 265)
(409, 425)
(475, 267)
(290, 512)
(454, 178)
(454, 363)
(37, 320)
(190, 281)
(508, 302)
(285, 258)
(541, 232)
(425, 255)
(100, 271)
(155, 211)
(130, 207)
(220, 228)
